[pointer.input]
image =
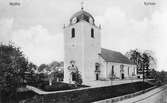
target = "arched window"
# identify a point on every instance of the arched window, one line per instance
(92, 33)
(73, 33)
(112, 71)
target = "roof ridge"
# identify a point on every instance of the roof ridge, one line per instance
(114, 56)
(111, 50)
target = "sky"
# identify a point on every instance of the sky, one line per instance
(36, 26)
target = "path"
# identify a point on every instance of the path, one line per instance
(115, 82)
(158, 95)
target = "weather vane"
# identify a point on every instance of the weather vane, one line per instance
(82, 5)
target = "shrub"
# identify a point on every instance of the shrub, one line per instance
(57, 86)
(78, 79)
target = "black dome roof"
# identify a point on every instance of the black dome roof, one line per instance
(82, 15)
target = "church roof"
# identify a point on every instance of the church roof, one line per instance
(114, 56)
(82, 15)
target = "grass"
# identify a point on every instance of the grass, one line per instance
(90, 95)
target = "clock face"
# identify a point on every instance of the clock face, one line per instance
(74, 20)
(91, 20)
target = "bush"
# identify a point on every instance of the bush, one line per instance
(56, 86)
(78, 79)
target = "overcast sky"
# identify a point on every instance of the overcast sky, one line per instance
(37, 26)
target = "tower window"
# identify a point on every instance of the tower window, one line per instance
(92, 33)
(73, 33)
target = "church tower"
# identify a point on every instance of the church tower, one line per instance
(81, 47)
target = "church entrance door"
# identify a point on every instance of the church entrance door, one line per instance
(122, 76)
(97, 70)
(73, 76)
(97, 76)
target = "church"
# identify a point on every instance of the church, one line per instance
(83, 52)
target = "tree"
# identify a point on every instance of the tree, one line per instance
(154, 74)
(145, 64)
(32, 67)
(136, 57)
(145, 61)
(163, 77)
(60, 75)
(42, 67)
(159, 76)
(54, 64)
(13, 66)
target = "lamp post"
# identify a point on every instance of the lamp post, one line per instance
(142, 66)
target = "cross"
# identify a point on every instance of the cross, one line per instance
(82, 3)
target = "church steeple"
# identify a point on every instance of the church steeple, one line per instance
(82, 15)
(82, 45)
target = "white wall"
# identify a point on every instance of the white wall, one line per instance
(106, 68)
(103, 66)
(92, 47)
(73, 49)
(82, 49)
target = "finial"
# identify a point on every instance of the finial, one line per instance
(82, 7)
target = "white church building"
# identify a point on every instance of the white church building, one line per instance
(83, 52)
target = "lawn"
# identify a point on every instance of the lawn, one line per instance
(90, 95)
